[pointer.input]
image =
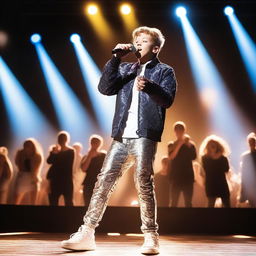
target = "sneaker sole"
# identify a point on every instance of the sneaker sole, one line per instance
(73, 247)
(149, 252)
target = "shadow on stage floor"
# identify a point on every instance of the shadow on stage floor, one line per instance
(60, 219)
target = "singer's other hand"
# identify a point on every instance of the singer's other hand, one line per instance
(142, 83)
(126, 50)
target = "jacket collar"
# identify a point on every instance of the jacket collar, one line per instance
(151, 64)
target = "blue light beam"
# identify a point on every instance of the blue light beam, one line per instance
(103, 105)
(26, 120)
(246, 47)
(224, 117)
(70, 112)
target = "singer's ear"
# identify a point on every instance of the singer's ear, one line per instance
(156, 49)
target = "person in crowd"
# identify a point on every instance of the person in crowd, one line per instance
(60, 174)
(248, 172)
(162, 185)
(6, 173)
(91, 164)
(29, 161)
(199, 196)
(144, 89)
(214, 152)
(78, 174)
(181, 153)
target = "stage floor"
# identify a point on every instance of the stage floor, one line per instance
(49, 244)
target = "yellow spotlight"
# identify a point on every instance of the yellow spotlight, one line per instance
(125, 9)
(128, 16)
(92, 9)
(94, 15)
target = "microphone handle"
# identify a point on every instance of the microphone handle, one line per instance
(131, 49)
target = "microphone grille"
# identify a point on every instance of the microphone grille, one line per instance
(133, 48)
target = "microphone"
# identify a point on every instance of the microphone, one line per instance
(131, 49)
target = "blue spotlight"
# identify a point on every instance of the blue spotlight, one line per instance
(35, 38)
(75, 38)
(103, 105)
(246, 47)
(26, 120)
(70, 113)
(225, 118)
(181, 11)
(228, 10)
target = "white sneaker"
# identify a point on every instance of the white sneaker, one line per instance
(151, 244)
(82, 240)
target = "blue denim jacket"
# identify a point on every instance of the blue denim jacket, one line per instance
(118, 78)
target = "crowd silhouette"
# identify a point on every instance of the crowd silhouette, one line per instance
(205, 179)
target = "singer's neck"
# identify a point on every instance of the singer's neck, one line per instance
(146, 58)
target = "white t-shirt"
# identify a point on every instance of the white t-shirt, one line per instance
(132, 119)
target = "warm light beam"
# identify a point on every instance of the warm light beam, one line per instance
(99, 23)
(128, 16)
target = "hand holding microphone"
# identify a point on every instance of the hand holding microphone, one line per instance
(121, 50)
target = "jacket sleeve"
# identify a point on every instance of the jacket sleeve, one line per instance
(51, 158)
(193, 152)
(225, 164)
(164, 92)
(111, 79)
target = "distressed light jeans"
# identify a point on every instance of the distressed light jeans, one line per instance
(120, 157)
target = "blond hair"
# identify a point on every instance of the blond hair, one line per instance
(251, 136)
(155, 33)
(179, 125)
(96, 137)
(222, 146)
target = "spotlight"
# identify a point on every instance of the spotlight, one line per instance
(222, 112)
(78, 122)
(125, 9)
(181, 11)
(91, 75)
(35, 38)
(92, 9)
(228, 10)
(74, 38)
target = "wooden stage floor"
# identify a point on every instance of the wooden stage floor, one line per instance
(174, 245)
